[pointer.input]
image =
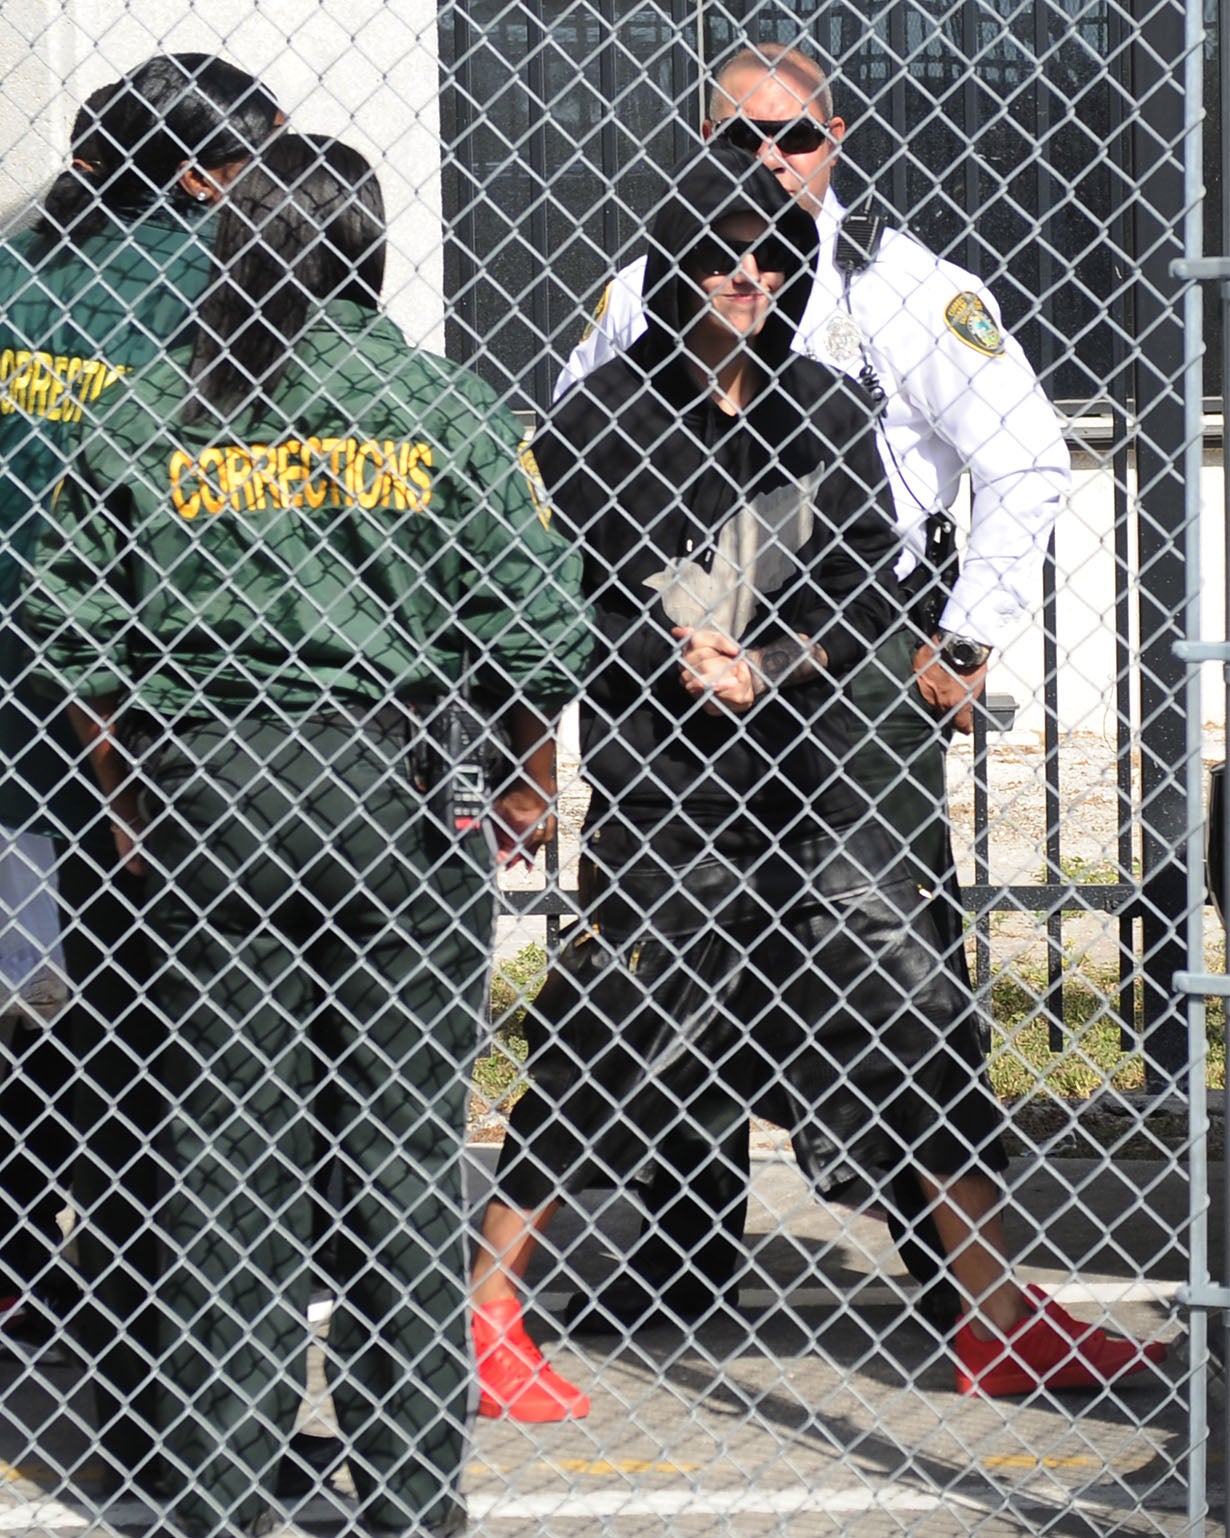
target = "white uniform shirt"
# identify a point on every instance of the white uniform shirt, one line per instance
(960, 396)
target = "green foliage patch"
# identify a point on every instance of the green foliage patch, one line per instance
(1022, 1064)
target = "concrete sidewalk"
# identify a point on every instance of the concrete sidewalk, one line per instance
(821, 1407)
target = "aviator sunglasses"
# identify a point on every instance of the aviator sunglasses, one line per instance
(713, 257)
(791, 136)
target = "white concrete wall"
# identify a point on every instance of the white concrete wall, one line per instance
(364, 70)
(1085, 618)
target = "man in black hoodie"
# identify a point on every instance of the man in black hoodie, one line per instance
(754, 937)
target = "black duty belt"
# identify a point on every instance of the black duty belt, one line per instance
(388, 720)
(139, 730)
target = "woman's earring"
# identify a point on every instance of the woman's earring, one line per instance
(202, 197)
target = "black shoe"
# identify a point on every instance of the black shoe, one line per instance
(307, 1464)
(133, 1476)
(29, 1333)
(450, 1526)
(190, 1527)
(629, 1304)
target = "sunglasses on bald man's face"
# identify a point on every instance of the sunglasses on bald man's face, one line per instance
(792, 136)
(714, 257)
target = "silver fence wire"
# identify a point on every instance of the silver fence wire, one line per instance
(603, 917)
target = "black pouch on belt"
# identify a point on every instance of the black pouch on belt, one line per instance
(929, 586)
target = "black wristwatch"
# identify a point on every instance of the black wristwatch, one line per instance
(963, 655)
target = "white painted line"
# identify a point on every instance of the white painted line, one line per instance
(1113, 1292)
(784, 1503)
(42, 1515)
(878, 1295)
(670, 1503)
(882, 1295)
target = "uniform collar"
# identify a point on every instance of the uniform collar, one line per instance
(828, 220)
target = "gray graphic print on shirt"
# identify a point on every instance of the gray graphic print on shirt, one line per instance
(753, 556)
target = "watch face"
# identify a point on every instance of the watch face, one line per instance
(963, 655)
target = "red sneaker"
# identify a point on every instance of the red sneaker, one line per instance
(1048, 1349)
(1151, 1350)
(515, 1379)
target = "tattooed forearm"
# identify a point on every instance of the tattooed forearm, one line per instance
(783, 664)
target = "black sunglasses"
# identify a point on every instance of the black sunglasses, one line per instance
(792, 136)
(714, 257)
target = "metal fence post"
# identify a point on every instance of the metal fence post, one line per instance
(1165, 122)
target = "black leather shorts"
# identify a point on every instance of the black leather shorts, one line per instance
(811, 993)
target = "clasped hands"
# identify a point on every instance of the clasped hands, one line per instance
(727, 678)
(715, 669)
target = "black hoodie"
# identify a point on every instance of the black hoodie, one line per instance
(657, 485)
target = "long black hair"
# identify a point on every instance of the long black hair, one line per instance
(302, 224)
(139, 132)
(74, 193)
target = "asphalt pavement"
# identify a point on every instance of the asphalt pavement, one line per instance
(820, 1406)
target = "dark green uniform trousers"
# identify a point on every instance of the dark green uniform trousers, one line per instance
(691, 1248)
(327, 965)
(117, 1112)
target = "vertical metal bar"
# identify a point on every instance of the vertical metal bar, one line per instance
(1193, 379)
(1128, 1034)
(982, 860)
(544, 382)
(1120, 469)
(1053, 859)
(551, 861)
(972, 260)
(981, 769)
(1159, 215)
(1050, 613)
(1223, 108)
(608, 139)
(540, 241)
(897, 98)
(1043, 184)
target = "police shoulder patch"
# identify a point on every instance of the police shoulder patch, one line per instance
(538, 490)
(968, 318)
(599, 312)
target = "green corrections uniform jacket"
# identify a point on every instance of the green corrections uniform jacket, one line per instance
(368, 536)
(71, 326)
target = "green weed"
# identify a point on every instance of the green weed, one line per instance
(499, 1074)
(1022, 1063)
(1093, 1055)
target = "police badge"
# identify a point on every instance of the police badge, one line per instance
(843, 338)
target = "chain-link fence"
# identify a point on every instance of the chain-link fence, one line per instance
(805, 407)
